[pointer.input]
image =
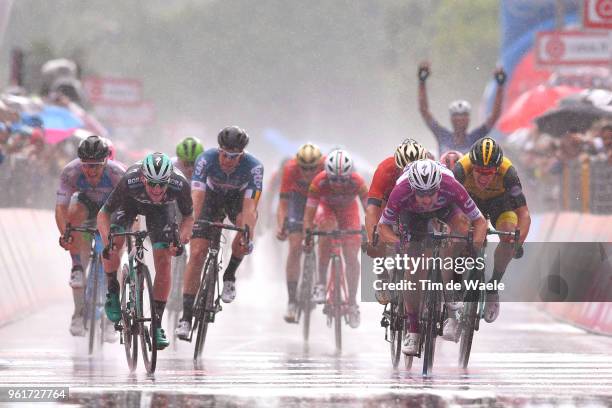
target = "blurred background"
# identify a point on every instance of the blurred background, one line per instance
(339, 73)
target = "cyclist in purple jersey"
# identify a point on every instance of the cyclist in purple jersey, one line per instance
(459, 138)
(426, 191)
(85, 183)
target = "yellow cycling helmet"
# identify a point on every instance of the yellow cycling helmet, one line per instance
(308, 155)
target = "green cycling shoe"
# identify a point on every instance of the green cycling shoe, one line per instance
(112, 307)
(160, 339)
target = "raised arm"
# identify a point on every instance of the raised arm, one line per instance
(500, 77)
(423, 74)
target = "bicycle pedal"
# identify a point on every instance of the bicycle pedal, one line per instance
(384, 322)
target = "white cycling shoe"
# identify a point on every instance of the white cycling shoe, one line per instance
(77, 278)
(451, 330)
(291, 315)
(109, 333)
(354, 318)
(77, 326)
(183, 330)
(318, 294)
(229, 292)
(491, 309)
(410, 345)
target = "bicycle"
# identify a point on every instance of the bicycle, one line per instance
(432, 309)
(138, 317)
(474, 302)
(336, 304)
(206, 306)
(95, 288)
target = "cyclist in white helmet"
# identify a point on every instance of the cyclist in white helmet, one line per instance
(147, 188)
(332, 201)
(459, 138)
(425, 191)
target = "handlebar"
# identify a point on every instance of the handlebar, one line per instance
(516, 235)
(246, 232)
(70, 229)
(139, 235)
(333, 234)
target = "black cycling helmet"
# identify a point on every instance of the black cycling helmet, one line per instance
(486, 153)
(233, 137)
(93, 148)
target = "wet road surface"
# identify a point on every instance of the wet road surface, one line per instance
(253, 358)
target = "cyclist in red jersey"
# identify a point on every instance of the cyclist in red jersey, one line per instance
(387, 173)
(334, 191)
(297, 175)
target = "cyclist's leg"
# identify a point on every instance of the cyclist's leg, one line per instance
(325, 219)
(348, 218)
(295, 214)
(77, 215)
(157, 220)
(121, 220)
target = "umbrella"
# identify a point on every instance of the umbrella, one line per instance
(579, 117)
(531, 104)
(59, 123)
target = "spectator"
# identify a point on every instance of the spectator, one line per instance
(459, 139)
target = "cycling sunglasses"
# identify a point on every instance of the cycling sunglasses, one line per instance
(426, 193)
(485, 170)
(92, 165)
(154, 183)
(230, 155)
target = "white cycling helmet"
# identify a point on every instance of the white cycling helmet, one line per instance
(409, 151)
(424, 175)
(157, 167)
(338, 164)
(459, 107)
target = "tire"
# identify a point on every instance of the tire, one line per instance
(306, 286)
(92, 300)
(130, 341)
(408, 362)
(467, 335)
(396, 347)
(432, 317)
(337, 299)
(146, 310)
(208, 296)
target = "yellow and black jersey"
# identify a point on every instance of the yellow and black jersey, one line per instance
(506, 183)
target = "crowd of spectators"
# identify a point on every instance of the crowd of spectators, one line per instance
(30, 161)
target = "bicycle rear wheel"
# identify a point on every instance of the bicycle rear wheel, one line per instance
(128, 333)
(467, 335)
(206, 297)
(147, 319)
(337, 301)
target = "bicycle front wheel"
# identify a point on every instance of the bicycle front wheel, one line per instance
(306, 286)
(205, 300)
(432, 316)
(337, 300)
(92, 300)
(147, 319)
(469, 321)
(128, 333)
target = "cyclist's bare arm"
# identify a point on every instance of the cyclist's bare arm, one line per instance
(249, 214)
(372, 216)
(197, 196)
(497, 105)
(423, 101)
(386, 233)
(185, 229)
(104, 224)
(309, 214)
(480, 231)
(281, 213)
(524, 222)
(61, 217)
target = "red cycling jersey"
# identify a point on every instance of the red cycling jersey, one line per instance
(295, 180)
(383, 182)
(336, 194)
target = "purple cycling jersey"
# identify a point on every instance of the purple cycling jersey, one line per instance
(402, 199)
(73, 180)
